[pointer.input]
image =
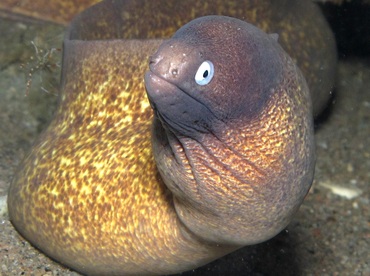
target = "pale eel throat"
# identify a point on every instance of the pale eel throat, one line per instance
(221, 155)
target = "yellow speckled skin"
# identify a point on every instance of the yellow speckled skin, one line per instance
(49, 10)
(89, 194)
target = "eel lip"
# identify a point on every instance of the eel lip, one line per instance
(147, 80)
(158, 88)
(161, 94)
(153, 85)
(164, 97)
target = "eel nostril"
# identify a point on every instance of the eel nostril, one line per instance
(154, 59)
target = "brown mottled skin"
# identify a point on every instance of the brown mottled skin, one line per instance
(230, 163)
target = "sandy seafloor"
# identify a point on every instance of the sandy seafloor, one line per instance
(330, 235)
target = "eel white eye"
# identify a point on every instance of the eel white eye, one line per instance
(205, 73)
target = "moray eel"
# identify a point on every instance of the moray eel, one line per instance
(60, 12)
(112, 187)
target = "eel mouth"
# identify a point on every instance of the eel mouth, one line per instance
(159, 90)
(163, 96)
